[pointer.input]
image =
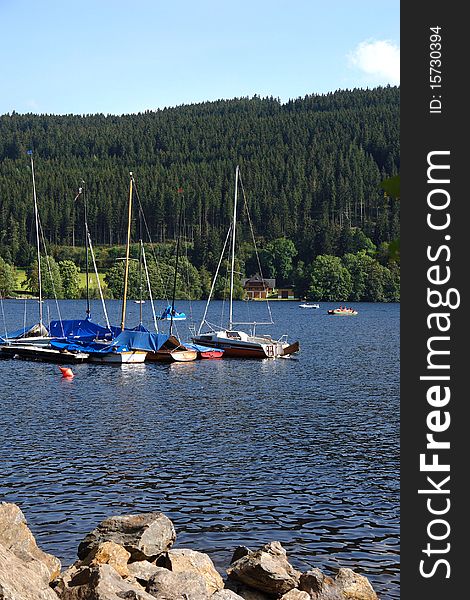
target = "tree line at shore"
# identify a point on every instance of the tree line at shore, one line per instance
(363, 274)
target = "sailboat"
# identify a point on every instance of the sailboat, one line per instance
(125, 346)
(235, 342)
(38, 333)
(173, 350)
(122, 350)
(33, 342)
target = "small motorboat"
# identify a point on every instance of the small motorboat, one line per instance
(308, 305)
(206, 352)
(172, 351)
(343, 311)
(170, 314)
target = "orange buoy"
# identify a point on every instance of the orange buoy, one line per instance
(67, 372)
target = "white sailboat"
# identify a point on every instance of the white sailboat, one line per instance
(38, 333)
(233, 341)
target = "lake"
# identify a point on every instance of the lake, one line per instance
(302, 450)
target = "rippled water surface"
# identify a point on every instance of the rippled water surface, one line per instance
(304, 450)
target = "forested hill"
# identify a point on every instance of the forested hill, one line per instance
(311, 167)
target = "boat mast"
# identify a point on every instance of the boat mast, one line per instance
(81, 190)
(234, 228)
(36, 217)
(88, 311)
(141, 249)
(126, 268)
(176, 267)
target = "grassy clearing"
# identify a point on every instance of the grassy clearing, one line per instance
(21, 277)
(92, 280)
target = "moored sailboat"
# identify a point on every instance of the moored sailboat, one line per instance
(235, 342)
(123, 349)
(36, 334)
(173, 350)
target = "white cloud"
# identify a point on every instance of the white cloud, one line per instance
(379, 60)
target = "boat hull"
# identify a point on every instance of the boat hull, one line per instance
(41, 353)
(210, 354)
(42, 341)
(172, 356)
(248, 349)
(119, 358)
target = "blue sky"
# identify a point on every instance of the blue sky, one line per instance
(117, 57)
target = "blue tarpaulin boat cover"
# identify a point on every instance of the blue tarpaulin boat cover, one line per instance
(82, 329)
(199, 348)
(126, 340)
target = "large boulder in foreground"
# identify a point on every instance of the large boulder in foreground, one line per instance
(266, 569)
(145, 536)
(354, 586)
(21, 580)
(16, 537)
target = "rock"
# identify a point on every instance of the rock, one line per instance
(144, 535)
(190, 560)
(20, 580)
(16, 537)
(61, 582)
(142, 571)
(296, 595)
(185, 585)
(239, 552)
(319, 586)
(266, 569)
(354, 586)
(247, 593)
(226, 595)
(109, 553)
(101, 582)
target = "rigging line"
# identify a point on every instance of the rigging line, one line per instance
(188, 281)
(24, 315)
(144, 221)
(224, 298)
(149, 287)
(81, 190)
(176, 266)
(237, 173)
(4, 319)
(103, 303)
(38, 249)
(154, 255)
(256, 249)
(49, 269)
(214, 280)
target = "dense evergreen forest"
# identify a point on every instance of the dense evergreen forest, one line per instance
(312, 170)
